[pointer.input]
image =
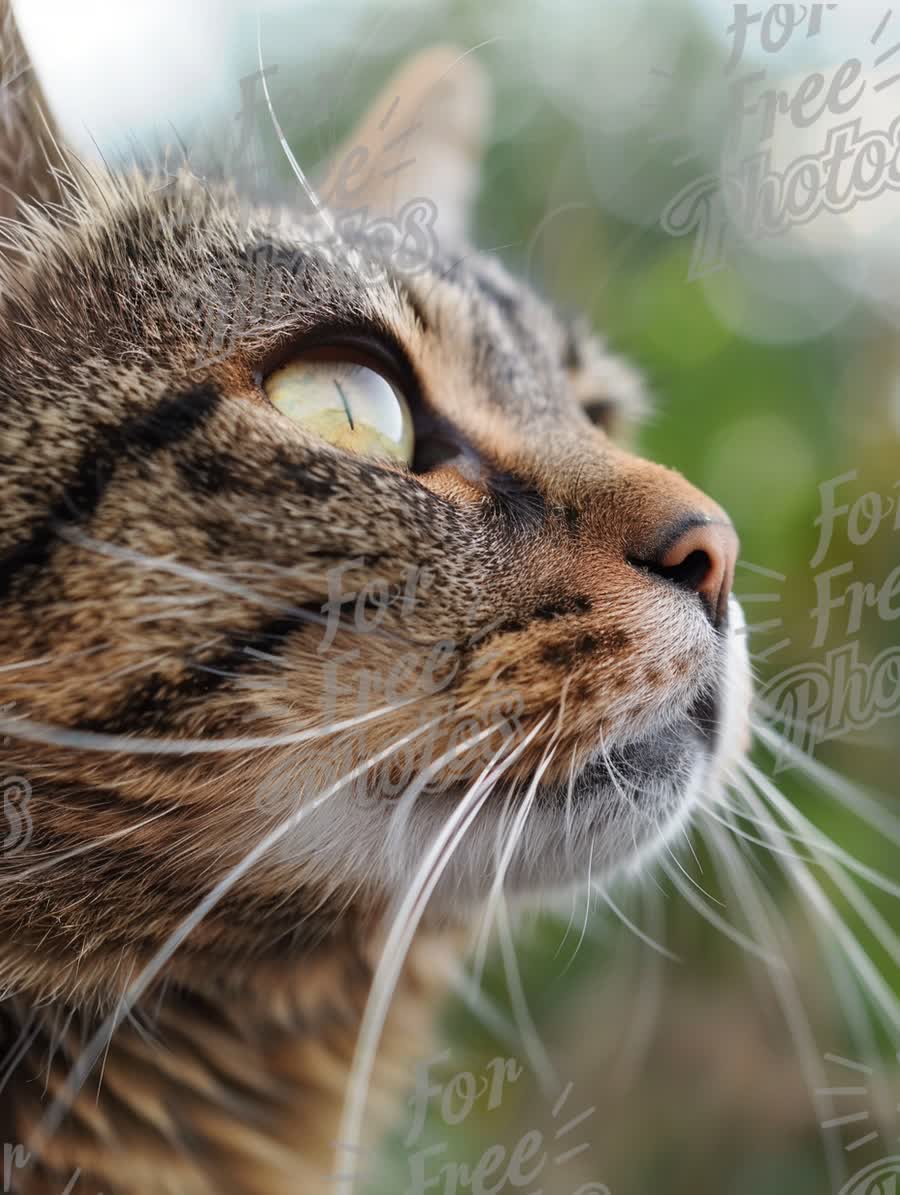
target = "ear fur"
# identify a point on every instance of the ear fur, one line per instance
(422, 139)
(29, 143)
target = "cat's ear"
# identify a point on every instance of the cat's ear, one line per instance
(422, 139)
(29, 144)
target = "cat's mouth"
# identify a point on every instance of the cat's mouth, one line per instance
(632, 793)
(624, 802)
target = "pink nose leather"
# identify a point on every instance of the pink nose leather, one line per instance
(703, 559)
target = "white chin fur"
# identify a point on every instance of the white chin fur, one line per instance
(733, 742)
(737, 693)
(628, 849)
(545, 862)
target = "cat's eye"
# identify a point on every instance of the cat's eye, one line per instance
(346, 402)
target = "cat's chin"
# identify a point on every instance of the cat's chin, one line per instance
(626, 803)
(628, 799)
(619, 809)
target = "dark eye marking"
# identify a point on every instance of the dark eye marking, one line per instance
(439, 443)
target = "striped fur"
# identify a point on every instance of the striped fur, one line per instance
(169, 544)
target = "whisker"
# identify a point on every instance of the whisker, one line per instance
(28, 1035)
(636, 929)
(850, 1000)
(849, 795)
(587, 914)
(806, 884)
(220, 582)
(83, 1066)
(817, 838)
(753, 901)
(718, 922)
(648, 996)
(571, 920)
(83, 849)
(730, 824)
(87, 740)
(283, 142)
(535, 1051)
(690, 879)
(509, 849)
(485, 1009)
(405, 923)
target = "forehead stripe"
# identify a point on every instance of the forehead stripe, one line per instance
(172, 420)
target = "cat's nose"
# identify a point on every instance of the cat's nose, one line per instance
(698, 554)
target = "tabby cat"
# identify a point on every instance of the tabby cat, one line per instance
(319, 635)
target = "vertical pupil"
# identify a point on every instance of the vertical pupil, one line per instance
(340, 390)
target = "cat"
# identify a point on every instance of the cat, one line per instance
(327, 617)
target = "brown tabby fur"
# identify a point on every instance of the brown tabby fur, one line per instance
(165, 544)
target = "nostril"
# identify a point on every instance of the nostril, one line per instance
(699, 557)
(690, 573)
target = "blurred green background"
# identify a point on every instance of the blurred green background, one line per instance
(771, 375)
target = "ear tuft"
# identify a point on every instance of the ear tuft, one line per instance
(422, 138)
(28, 144)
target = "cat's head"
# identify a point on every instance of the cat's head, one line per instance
(296, 528)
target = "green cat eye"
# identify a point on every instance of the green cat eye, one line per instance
(349, 404)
